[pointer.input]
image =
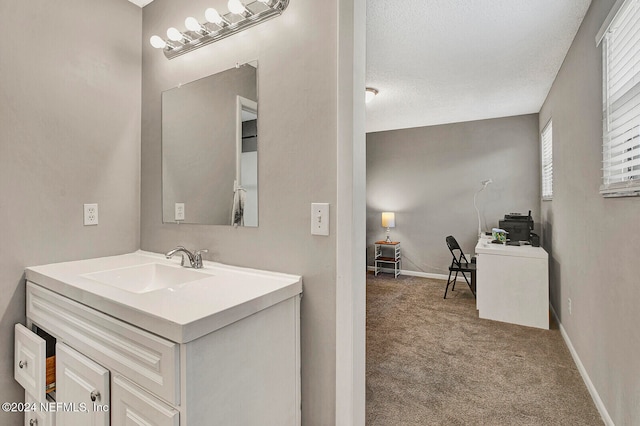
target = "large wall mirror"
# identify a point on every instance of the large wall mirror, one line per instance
(210, 150)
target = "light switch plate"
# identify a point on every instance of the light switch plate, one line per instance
(179, 211)
(90, 214)
(320, 218)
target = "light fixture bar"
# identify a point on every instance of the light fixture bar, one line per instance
(255, 12)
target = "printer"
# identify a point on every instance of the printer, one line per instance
(520, 228)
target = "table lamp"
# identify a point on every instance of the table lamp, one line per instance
(388, 221)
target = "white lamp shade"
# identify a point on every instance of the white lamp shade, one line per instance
(388, 220)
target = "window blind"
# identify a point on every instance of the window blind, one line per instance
(621, 103)
(547, 161)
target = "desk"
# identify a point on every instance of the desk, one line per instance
(512, 283)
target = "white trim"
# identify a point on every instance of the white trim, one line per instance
(610, 17)
(416, 274)
(621, 102)
(583, 372)
(242, 104)
(141, 3)
(350, 213)
(621, 189)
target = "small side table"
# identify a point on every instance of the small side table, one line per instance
(396, 257)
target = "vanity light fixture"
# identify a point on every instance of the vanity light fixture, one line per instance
(370, 93)
(216, 26)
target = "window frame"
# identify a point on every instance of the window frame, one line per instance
(620, 175)
(546, 159)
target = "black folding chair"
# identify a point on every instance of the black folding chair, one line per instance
(460, 264)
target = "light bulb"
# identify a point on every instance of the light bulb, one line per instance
(157, 42)
(174, 34)
(212, 15)
(236, 6)
(192, 24)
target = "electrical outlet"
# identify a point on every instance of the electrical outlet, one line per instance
(569, 305)
(179, 211)
(90, 214)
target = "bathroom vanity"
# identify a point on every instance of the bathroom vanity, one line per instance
(140, 340)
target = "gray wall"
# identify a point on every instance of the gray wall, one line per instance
(69, 134)
(297, 88)
(593, 242)
(428, 176)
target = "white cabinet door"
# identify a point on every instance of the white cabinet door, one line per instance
(30, 352)
(37, 415)
(82, 387)
(133, 406)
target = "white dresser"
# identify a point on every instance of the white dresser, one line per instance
(512, 283)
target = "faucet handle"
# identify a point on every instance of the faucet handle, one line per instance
(198, 257)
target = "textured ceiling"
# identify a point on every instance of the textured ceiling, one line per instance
(447, 61)
(443, 61)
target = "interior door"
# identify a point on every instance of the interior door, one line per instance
(82, 389)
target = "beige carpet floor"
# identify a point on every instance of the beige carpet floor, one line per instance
(432, 361)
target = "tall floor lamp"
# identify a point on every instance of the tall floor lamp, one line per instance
(484, 185)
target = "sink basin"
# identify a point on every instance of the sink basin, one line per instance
(147, 277)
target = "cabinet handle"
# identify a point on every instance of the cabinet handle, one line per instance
(33, 422)
(95, 395)
(22, 364)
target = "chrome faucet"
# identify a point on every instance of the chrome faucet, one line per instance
(195, 259)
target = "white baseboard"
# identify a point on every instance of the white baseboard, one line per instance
(583, 372)
(416, 274)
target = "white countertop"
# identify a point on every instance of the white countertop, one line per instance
(179, 313)
(485, 246)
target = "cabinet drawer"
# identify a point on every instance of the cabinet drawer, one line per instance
(148, 360)
(29, 367)
(131, 405)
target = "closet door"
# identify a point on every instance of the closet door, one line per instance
(82, 389)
